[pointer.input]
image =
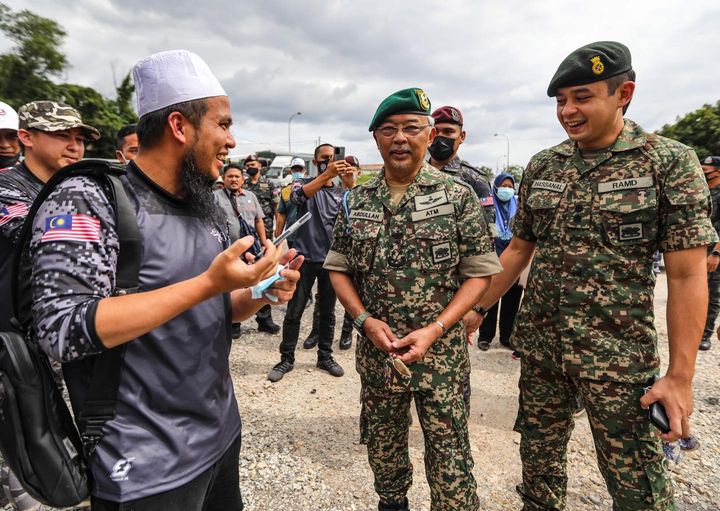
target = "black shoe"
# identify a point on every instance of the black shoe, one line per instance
(280, 370)
(506, 343)
(311, 341)
(331, 367)
(483, 345)
(705, 345)
(345, 342)
(402, 506)
(269, 327)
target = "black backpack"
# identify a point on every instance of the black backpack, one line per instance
(39, 441)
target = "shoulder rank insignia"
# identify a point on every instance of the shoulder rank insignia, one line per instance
(597, 66)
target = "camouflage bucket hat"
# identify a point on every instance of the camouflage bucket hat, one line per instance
(53, 116)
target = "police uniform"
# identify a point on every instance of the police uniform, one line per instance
(406, 262)
(267, 195)
(18, 189)
(713, 277)
(586, 325)
(462, 170)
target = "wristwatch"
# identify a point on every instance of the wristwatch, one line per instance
(358, 322)
(716, 253)
(480, 310)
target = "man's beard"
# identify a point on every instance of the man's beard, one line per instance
(197, 189)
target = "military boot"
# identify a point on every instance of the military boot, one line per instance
(402, 506)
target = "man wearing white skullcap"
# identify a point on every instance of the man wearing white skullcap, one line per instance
(174, 441)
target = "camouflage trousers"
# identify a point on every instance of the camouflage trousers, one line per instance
(629, 455)
(713, 304)
(385, 426)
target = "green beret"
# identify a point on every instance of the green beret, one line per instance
(591, 63)
(406, 101)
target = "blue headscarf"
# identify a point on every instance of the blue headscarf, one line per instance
(504, 212)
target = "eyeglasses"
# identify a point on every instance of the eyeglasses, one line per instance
(409, 131)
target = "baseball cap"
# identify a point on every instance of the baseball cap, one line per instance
(297, 162)
(53, 116)
(711, 160)
(170, 77)
(8, 117)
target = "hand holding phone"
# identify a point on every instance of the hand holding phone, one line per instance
(657, 414)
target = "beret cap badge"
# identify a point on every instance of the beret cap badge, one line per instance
(597, 66)
(423, 99)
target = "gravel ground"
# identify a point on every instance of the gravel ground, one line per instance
(300, 436)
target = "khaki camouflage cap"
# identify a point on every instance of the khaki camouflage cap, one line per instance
(53, 116)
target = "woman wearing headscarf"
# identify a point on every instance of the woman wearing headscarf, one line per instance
(505, 204)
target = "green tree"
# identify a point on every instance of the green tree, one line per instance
(28, 69)
(487, 173)
(517, 172)
(699, 129)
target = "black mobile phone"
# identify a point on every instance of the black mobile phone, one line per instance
(656, 412)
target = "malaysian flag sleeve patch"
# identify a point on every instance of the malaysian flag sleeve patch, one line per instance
(71, 228)
(7, 213)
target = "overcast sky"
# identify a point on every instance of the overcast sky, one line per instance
(334, 61)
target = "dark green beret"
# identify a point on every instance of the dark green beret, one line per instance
(406, 101)
(591, 63)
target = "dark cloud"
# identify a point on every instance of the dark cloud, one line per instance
(335, 60)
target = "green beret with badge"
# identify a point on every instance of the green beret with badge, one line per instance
(591, 63)
(406, 101)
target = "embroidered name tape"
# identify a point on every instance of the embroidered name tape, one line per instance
(373, 216)
(428, 201)
(625, 184)
(553, 186)
(445, 209)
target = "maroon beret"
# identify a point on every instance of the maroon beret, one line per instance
(251, 157)
(352, 160)
(448, 114)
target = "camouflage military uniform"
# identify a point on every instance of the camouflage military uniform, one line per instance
(463, 171)
(586, 325)
(267, 194)
(714, 277)
(406, 262)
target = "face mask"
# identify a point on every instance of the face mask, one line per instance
(442, 148)
(252, 171)
(504, 193)
(297, 176)
(322, 165)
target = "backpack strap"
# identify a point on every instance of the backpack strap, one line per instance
(101, 397)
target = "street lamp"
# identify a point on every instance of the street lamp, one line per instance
(508, 147)
(289, 120)
(497, 163)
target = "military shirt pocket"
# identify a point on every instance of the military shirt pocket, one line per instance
(628, 217)
(364, 236)
(437, 245)
(544, 205)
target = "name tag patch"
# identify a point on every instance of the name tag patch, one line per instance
(553, 186)
(441, 252)
(445, 209)
(625, 184)
(629, 232)
(423, 202)
(373, 216)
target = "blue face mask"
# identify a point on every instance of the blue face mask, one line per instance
(504, 193)
(297, 175)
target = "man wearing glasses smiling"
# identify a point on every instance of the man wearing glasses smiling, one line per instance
(410, 254)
